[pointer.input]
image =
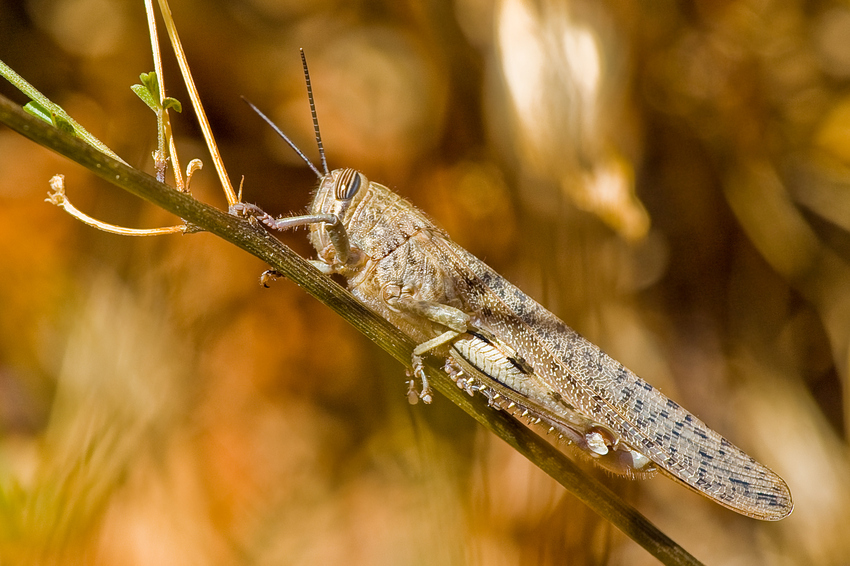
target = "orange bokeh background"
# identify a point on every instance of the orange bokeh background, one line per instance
(671, 179)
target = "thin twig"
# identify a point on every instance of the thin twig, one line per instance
(264, 246)
(57, 197)
(196, 102)
(166, 132)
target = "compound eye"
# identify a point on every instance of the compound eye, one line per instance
(347, 184)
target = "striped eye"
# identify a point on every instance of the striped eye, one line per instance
(347, 184)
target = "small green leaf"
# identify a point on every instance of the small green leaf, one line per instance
(148, 91)
(151, 83)
(63, 124)
(172, 103)
(51, 118)
(143, 93)
(38, 111)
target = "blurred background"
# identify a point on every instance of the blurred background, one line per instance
(671, 178)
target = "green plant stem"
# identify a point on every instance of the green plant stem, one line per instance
(268, 248)
(21, 84)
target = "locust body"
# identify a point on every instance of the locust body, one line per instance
(499, 342)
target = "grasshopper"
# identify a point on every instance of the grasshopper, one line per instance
(498, 342)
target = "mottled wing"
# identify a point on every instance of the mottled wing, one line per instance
(608, 392)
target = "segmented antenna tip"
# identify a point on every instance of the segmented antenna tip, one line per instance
(313, 112)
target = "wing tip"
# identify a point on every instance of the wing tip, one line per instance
(774, 505)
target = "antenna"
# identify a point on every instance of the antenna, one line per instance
(289, 141)
(313, 112)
